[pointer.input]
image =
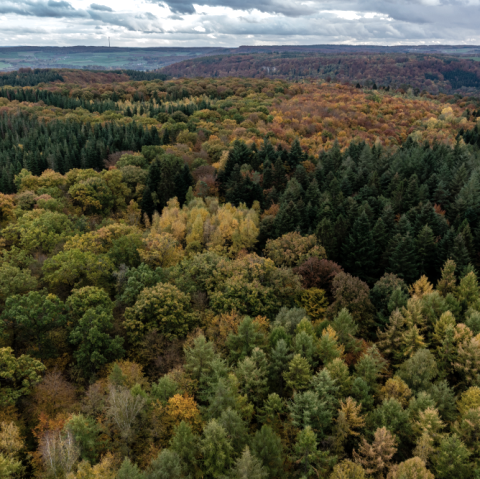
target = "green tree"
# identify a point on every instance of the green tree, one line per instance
(86, 432)
(309, 461)
(359, 251)
(95, 346)
(76, 268)
(14, 280)
(30, 320)
(267, 446)
(452, 459)
(248, 467)
(299, 374)
(167, 465)
(129, 470)
(162, 307)
(346, 329)
(185, 444)
(235, 428)
(217, 450)
(18, 376)
(248, 337)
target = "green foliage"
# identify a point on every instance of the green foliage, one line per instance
(129, 470)
(31, 321)
(217, 449)
(451, 459)
(75, 268)
(18, 376)
(162, 307)
(267, 446)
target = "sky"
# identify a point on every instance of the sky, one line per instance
(227, 23)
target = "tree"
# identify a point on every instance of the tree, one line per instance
(30, 320)
(248, 337)
(413, 468)
(299, 374)
(447, 283)
(249, 467)
(309, 461)
(293, 249)
(315, 303)
(235, 428)
(167, 465)
(185, 444)
(451, 459)
(346, 328)
(267, 446)
(75, 268)
(123, 410)
(470, 399)
(307, 409)
(359, 251)
(14, 280)
(318, 273)
(375, 458)
(95, 347)
(419, 370)
(348, 470)
(18, 376)
(353, 294)
(86, 433)
(217, 449)
(129, 470)
(162, 307)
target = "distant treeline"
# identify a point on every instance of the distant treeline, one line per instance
(29, 77)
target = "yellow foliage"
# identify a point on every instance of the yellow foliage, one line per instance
(315, 303)
(420, 288)
(183, 408)
(396, 388)
(161, 249)
(470, 399)
(11, 442)
(204, 223)
(351, 411)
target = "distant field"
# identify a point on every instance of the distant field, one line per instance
(93, 57)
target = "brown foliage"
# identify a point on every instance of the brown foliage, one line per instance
(53, 395)
(318, 273)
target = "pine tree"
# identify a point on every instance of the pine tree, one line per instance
(359, 250)
(295, 156)
(267, 446)
(249, 467)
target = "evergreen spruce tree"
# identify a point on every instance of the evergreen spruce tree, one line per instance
(279, 176)
(403, 259)
(359, 251)
(427, 253)
(267, 175)
(295, 156)
(267, 446)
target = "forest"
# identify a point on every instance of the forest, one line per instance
(238, 278)
(431, 72)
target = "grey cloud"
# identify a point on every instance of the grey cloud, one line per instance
(139, 23)
(40, 8)
(100, 8)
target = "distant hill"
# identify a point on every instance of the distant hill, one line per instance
(432, 72)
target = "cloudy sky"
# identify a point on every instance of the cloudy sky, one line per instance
(238, 22)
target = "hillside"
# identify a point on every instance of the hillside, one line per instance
(426, 72)
(237, 278)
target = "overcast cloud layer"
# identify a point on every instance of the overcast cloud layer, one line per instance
(229, 23)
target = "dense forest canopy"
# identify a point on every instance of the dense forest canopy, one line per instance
(238, 278)
(427, 71)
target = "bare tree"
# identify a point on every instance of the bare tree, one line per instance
(59, 452)
(123, 409)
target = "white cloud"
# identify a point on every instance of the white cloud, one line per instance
(233, 23)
